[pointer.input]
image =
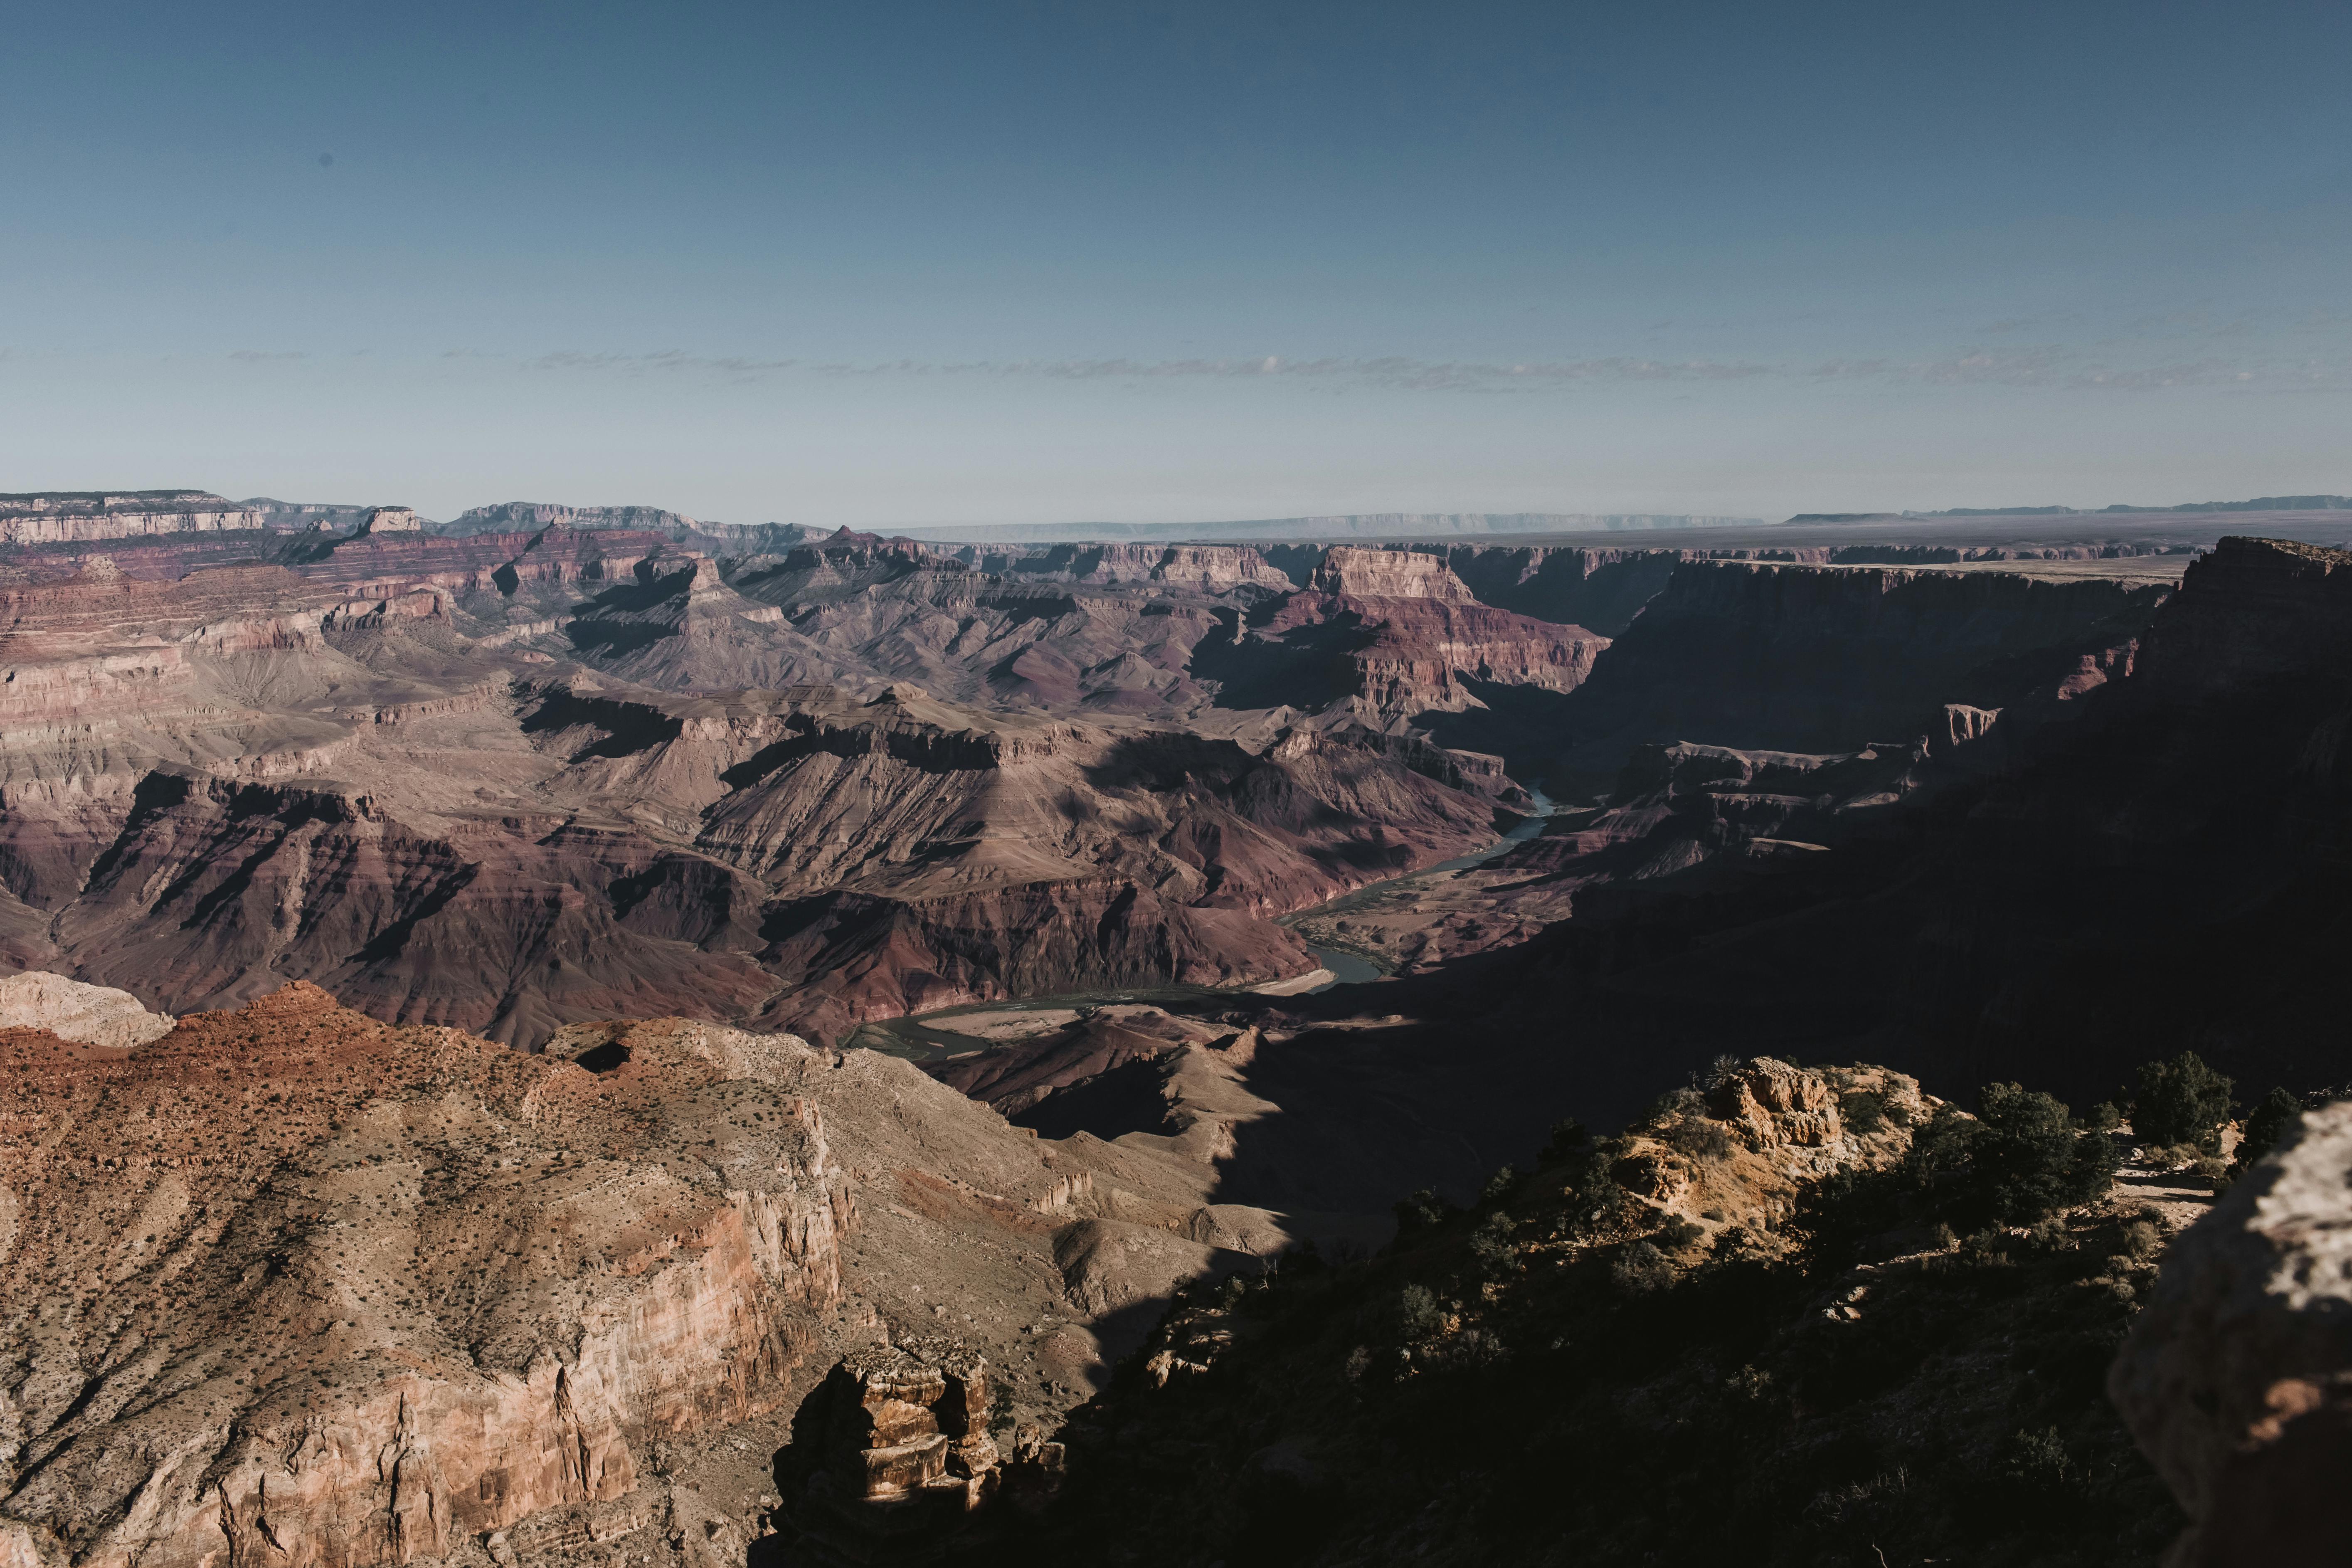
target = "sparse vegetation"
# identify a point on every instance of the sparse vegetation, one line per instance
(2266, 1125)
(1616, 1394)
(2181, 1100)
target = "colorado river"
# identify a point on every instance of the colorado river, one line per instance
(930, 1036)
(1350, 968)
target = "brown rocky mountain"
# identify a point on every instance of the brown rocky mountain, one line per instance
(506, 781)
(327, 1271)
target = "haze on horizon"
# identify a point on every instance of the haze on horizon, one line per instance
(936, 264)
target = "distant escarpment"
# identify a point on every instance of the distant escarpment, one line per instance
(66, 516)
(1389, 636)
(2166, 871)
(1767, 657)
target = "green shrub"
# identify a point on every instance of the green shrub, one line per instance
(2103, 1117)
(1418, 1314)
(1423, 1211)
(2266, 1125)
(2018, 1159)
(1862, 1111)
(2181, 1101)
(2139, 1242)
(1500, 1186)
(1641, 1268)
(1491, 1245)
(1700, 1139)
(2031, 1161)
(1568, 1139)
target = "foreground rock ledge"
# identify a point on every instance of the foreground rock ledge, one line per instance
(2237, 1379)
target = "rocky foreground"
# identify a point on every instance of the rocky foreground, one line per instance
(292, 1284)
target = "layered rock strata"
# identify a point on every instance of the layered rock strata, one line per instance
(290, 1284)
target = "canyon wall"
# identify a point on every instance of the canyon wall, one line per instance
(75, 516)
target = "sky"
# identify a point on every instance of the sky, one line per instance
(900, 264)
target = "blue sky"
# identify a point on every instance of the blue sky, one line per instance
(895, 264)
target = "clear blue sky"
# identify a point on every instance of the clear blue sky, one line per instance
(893, 263)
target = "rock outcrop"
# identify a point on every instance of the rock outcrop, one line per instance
(390, 1288)
(2255, 610)
(901, 1452)
(93, 1014)
(68, 517)
(1388, 636)
(288, 1284)
(2237, 1379)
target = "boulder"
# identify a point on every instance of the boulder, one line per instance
(2237, 1379)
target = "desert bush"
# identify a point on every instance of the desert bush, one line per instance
(2181, 1101)
(2266, 1125)
(1862, 1111)
(1490, 1244)
(2139, 1242)
(1641, 1268)
(1500, 1186)
(1417, 1314)
(1700, 1138)
(1568, 1139)
(2103, 1117)
(2018, 1159)
(1678, 1232)
(1423, 1211)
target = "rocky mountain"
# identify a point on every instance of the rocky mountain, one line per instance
(506, 781)
(922, 958)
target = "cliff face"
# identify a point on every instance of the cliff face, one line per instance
(1768, 657)
(1602, 589)
(2254, 610)
(1204, 568)
(426, 1288)
(2234, 1378)
(287, 1284)
(2165, 870)
(78, 516)
(1388, 636)
(530, 517)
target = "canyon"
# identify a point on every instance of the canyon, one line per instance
(582, 1033)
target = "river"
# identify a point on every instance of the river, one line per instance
(931, 1037)
(1350, 968)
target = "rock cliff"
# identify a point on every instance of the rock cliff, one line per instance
(292, 1284)
(2236, 1378)
(75, 516)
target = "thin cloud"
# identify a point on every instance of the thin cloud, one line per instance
(2019, 366)
(260, 356)
(673, 360)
